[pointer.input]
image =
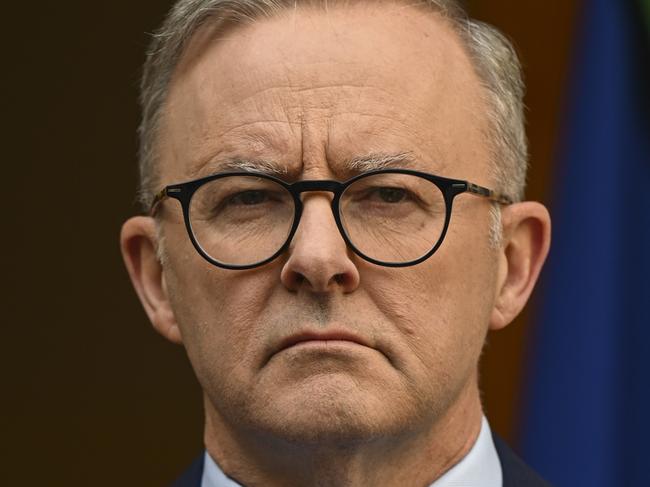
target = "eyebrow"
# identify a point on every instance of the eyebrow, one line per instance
(372, 162)
(239, 164)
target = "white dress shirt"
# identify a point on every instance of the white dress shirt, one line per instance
(479, 468)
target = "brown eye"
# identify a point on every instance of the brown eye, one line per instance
(248, 198)
(391, 195)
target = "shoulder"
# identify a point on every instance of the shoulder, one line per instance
(192, 476)
(515, 472)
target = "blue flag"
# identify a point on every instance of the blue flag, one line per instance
(586, 420)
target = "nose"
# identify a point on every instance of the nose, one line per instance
(319, 259)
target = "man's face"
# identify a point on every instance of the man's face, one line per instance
(382, 350)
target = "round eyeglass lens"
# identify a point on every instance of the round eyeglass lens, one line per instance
(393, 218)
(241, 220)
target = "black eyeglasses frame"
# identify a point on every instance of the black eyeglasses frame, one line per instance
(450, 188)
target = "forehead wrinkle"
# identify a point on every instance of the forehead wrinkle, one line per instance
(260, 136)
(311, 88)
(247, 141)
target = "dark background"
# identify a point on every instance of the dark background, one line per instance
(92, 396)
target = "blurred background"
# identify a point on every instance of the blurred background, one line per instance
(92, 396)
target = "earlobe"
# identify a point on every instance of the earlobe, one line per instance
(526, 241)
(138, 242)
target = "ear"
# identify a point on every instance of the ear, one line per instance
(139, 243)
(525, 245)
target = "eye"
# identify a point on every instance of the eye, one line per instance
(391, 195)
(385, 195)
(382, 195)
(249, 198)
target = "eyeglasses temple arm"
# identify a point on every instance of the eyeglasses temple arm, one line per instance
(488, 193)
(160, 196)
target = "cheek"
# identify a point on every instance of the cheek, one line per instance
(420, 306)
(218, 312)
(440, 308)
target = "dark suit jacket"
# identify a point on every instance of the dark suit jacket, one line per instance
(515, 472)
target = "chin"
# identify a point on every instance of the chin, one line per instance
(328, 410)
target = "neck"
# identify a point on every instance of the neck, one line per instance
(411, 458)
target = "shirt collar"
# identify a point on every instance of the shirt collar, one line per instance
(479, 468)
(213, 476)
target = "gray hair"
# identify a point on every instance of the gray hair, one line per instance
(494, 58)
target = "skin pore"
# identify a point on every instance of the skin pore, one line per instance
(390, 396)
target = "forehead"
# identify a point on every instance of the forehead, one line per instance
(308, 90)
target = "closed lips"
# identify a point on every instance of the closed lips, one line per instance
(298, 338)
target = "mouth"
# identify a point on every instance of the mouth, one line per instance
(337, 344)
(323, 339)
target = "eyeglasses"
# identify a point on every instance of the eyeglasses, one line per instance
(390, 217)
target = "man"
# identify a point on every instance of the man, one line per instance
(335, 225)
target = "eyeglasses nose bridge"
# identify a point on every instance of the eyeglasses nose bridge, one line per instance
(324, 186)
